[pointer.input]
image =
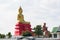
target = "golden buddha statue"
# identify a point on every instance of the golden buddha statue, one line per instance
(20, 16)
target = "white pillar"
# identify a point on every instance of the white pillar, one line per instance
(58, 35)
(52, 35)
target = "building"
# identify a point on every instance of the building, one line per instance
(56, 32)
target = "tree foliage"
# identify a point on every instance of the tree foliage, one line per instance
(2, 36)
(9, 35)
(38, 30)
(26, 33)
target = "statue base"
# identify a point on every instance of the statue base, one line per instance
(21, 27)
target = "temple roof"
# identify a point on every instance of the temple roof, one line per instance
(56, 29)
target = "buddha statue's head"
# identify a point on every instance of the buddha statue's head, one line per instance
(20, 10)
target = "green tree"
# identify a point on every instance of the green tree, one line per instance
(38, 30)
(2, 36)
(9, 35)
(26, 33)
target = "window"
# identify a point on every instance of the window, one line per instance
(55, 35)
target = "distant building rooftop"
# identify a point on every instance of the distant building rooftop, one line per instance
(56, 29)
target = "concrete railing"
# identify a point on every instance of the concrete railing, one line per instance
(8, 39)
(34, 39)
(47, 39)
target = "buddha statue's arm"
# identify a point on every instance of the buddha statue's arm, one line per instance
(18, 17)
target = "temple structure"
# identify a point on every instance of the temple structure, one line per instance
(21, 25)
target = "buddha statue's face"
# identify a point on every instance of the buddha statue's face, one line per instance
(20, 10)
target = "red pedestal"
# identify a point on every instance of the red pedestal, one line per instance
(21, 27)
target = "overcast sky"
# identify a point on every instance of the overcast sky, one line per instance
(34, 11)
